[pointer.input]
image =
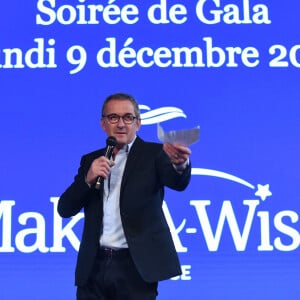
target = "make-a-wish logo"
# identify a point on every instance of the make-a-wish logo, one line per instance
(288, 238)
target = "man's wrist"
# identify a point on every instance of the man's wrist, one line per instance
(182, 167)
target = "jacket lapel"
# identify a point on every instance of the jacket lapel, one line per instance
(133, 161)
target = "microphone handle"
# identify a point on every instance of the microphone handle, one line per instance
(108, 154)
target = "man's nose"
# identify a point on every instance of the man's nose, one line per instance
(121, 122)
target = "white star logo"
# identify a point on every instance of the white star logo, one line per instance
(263, 191)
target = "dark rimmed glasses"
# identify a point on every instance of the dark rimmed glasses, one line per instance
(114, 118)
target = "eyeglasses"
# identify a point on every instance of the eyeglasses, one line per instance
(114, 118)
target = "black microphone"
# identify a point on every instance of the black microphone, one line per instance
(111, 142)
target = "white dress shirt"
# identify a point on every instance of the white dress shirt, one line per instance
(113, 233)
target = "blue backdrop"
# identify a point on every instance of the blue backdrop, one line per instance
(231, 67)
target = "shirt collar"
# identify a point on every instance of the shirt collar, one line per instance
(128, 147)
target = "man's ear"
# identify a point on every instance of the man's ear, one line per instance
(138, 124)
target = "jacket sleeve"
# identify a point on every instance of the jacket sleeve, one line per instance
(169, 176)
(75, 196)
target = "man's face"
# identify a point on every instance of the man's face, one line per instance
(124, 133)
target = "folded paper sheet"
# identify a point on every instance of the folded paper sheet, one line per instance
(184, 137)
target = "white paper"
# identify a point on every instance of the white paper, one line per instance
(184, 137)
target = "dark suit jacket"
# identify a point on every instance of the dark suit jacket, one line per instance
(147, 171)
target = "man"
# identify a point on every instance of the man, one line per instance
(126, 246)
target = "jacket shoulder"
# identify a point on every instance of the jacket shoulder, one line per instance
(88, 158)
(94, 154)
(148, 145)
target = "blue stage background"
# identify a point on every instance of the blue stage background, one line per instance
(236, 227)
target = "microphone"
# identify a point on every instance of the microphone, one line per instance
(111, 142)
